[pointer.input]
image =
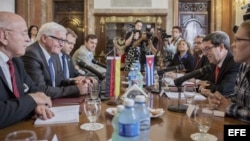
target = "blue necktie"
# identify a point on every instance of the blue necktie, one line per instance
(52, 72)
(65, 67)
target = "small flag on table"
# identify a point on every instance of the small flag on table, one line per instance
(149, 70)
(113, 76)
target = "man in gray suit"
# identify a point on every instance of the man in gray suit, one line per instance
(42, 64)
(85, 53)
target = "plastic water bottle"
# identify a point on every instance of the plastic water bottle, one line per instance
(115, 136)
(131, 76)
(128, 122)
(138, 64)
(139, 78)
(144, 117)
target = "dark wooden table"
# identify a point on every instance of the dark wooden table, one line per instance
(170, 126)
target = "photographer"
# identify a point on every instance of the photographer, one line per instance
(135, 46)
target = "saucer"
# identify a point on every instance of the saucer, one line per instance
(90, 127)
(210, 137)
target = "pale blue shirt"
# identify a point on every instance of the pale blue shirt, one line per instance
(5, 68)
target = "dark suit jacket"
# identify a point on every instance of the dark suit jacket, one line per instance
(203, 62)
(14, 109)
(188, 62)
(227, 76)
(36, 66)
(72, 71)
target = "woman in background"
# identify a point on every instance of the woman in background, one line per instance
(183, 56)
(32, 32)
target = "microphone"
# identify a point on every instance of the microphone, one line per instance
(172, 68)
(98, 63)
(91, 69)
(201, 71)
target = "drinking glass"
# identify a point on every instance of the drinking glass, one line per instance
(203, 117)
(94, 91)
(21, 135)
(167, 80)
(189, 93)
(92, 109)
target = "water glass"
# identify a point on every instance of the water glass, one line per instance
(94, 91)
(203, 117)
(92, 109)
(21, 135)
(189, 93)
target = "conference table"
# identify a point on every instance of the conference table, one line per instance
(171, 126)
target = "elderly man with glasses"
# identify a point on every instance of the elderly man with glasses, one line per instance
(238, 106)
(42, 64)
(225, 69)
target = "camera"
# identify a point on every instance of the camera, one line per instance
(245, 17)
(164, 33)
(148, 32)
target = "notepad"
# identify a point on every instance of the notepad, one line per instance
(174, 95)
(63, 114)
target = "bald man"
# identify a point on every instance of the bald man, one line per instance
(20, 97)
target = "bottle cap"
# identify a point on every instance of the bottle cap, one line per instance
(140, 98)
(129, 102)
(120, 108)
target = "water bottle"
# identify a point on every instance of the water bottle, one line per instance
(144, 117)
(131, 77)
(139, 78)
(128, 122)
(138, 64)
(115, 136)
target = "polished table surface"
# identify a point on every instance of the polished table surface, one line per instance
(171, 126)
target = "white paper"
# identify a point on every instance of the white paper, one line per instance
(174, 95)
(63, 114)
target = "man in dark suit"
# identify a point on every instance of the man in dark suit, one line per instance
(40, 61)
(68, 67)
(19, 97)
(225, 69)
(200, 59)
(237, 104)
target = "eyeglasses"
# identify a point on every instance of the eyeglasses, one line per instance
(240, 39)
(70, 43)
(206, 49)
(60, 41)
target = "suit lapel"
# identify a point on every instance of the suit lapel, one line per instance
(3, 77)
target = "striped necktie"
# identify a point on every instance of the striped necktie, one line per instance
(13, 78)
(52, 72)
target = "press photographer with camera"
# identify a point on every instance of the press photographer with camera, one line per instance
(135, 46)
(170, 42)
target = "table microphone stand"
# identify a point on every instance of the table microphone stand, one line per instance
(179, 107)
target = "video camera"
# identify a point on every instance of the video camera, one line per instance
(164, 33)
(245, 17)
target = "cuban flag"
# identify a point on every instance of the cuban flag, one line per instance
(149, 70)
